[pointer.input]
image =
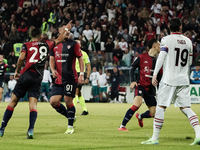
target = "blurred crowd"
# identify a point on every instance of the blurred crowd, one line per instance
(112, 32)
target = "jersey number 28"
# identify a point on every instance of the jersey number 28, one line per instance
(184, 57)
(42, 51)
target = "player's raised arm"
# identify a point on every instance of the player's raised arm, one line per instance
(64, 32)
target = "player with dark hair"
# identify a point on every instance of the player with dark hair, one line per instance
(29, 78)
(143, 87)
(62, 64)
(176, 58)
(3, 67)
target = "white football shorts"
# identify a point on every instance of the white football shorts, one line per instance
(179, 95)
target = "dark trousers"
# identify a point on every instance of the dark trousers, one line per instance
(115, 92)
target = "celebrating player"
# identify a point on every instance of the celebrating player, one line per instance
(62, 63)
(29, 79)
(144, 89)
(79, 96)
(176, 58)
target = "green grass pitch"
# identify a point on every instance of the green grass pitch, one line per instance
(97, 131)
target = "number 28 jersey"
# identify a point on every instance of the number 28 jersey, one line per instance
(176, 66)
(36, 54)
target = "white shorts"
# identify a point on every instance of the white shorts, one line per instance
(179, 95)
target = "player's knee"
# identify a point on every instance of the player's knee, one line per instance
(53, 103)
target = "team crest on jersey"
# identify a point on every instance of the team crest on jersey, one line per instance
(140, 91)
(2, 67)
(68, 46)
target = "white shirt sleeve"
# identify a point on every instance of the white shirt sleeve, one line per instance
(191, 75)
(49, 77)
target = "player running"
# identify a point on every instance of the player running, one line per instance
(29, 78)
(143, 88)
(62, 64)
(79, 96)
(176, 58)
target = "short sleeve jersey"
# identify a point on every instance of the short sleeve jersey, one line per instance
(85, 59)
(36, 54)
(176, 66)
(3, 71)
(65, 55)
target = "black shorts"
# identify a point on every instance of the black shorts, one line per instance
(28, 82)
(1, 84)
(68, 89)
(149, 98)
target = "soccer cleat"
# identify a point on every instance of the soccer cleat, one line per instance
(196, 141)
(140, 122)
(75, 118)
(122, 129)
(1, 133)
(30, 134)
(69, 130)
(150, 141)
(84, 113)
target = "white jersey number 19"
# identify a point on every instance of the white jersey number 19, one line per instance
(184, 57)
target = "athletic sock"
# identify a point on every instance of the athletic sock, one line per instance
(82, 102)
(71, 114)
(32, 118)
(129, 114)
(192, 117)
(146, 114)
(60, 108)
(7, 115)
(158, 122)
(75, 100)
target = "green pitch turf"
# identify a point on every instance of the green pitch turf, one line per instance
(97, 131)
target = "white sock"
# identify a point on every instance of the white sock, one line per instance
(70, 126)
(121, 126)
(158, 122)
(192, 117)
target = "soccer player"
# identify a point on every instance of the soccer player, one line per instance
(29, 78)
(62, 64)
(143, 88)
(79, 86)
(3, 67)
(176, 58)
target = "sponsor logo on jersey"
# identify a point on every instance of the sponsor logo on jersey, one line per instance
(61, 60)
(56, 47)
(57, 54)
(68, 46)
(140, 91)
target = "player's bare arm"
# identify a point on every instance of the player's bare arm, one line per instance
(154, 80)
(88, 73)
(64, 33)
(81, 76)
(52, 66)
(20, 63)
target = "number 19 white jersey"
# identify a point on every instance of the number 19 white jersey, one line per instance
(176, 66)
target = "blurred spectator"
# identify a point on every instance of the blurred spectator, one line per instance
(115, 81)
(135, 38)
(11, 59)
(32, 19)
(117, 55)
(123, 44)
(150, 34)
(126, 59)
(14, 36)
(156, 7)
(132, 28)
(145, 13)
(97, 38)
(77, 29)
(138, 48)
(111, 12)
(120, 32)
(126, 36)
(22, 29)
(109, 46)
(197, 40)
(104, 37)
(44, 26)
(11, 84)
(17, 47)
(195, 75)
(93, 79)
(5, 47)
(102, 84)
